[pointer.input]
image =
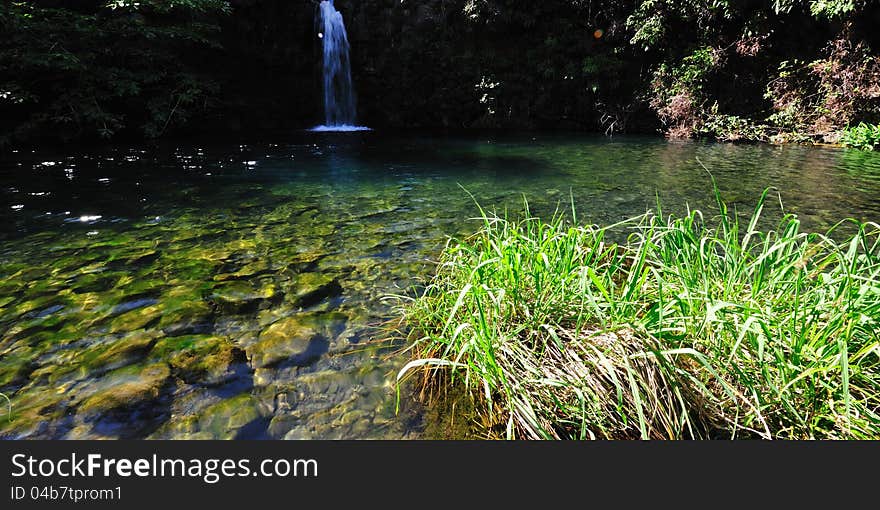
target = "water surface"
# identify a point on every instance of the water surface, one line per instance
(238, 290)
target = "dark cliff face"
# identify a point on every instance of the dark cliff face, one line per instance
(411, 64)
(270, 65)
(414, 62)
(440, 64)
(422, 64)
(505, 63)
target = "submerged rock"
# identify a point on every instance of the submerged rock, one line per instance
(5, 300)
(31, 307)
(139, 318)
(236, 296)
(226, 419)
(283, 424)
(251, 269)
(17, 365)
(288, 340)
(186, 270)
(325, 383)
(237, 417)
(124, 390)
(94, 282)
(186, 317)
(38, 412)
(89, 357)
(329, 324)
(312, 288)
(207, 360)
(126, 350)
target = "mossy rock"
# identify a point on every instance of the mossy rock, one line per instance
(312, 288)
(30, 275)
(328, 324)
(139, 318)
(301, 433)
(212, 253)
(139, 284)
(207, 360)
(188, 271)
(287, 340)
(223, 420)
(286, 213)
(353, 416)
(251, 269)
(124, 351)
(12, 285)
(283, 424)
(130, 303)
(60, 372)
(30, 305)
(33, 412)
(186, 316)
(297, 257)
(238, 296)
(93, 282)
(140, 258)
(15, 366)
(124, 389)
(5, 300)
(29, 330)
(325, 383)
(375, 377)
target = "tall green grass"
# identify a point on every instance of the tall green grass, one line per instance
(693, 327)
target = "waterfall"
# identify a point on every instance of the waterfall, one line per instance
(339, 102)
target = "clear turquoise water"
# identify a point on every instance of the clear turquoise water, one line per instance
(240, 290)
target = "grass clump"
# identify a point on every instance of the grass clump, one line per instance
(691, 328)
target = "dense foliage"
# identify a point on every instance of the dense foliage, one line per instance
(104, 67)
(864, 136)
(781, 70)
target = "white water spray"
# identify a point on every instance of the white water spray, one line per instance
(339, 103)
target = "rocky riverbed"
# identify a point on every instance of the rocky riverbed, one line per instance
(244, 322)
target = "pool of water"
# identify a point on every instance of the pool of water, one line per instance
(243, 290)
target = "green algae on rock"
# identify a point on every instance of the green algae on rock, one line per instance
(139, 318)
(124, 351)
(312, 288)
(123, 389)
(238, 296)
(204, 359)
(223, 420)
(288, 340)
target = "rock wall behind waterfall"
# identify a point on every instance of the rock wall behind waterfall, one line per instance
(422, 64)
(522, 64)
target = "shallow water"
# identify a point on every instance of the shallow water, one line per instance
(232, 290)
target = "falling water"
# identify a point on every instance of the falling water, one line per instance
(339, 102)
